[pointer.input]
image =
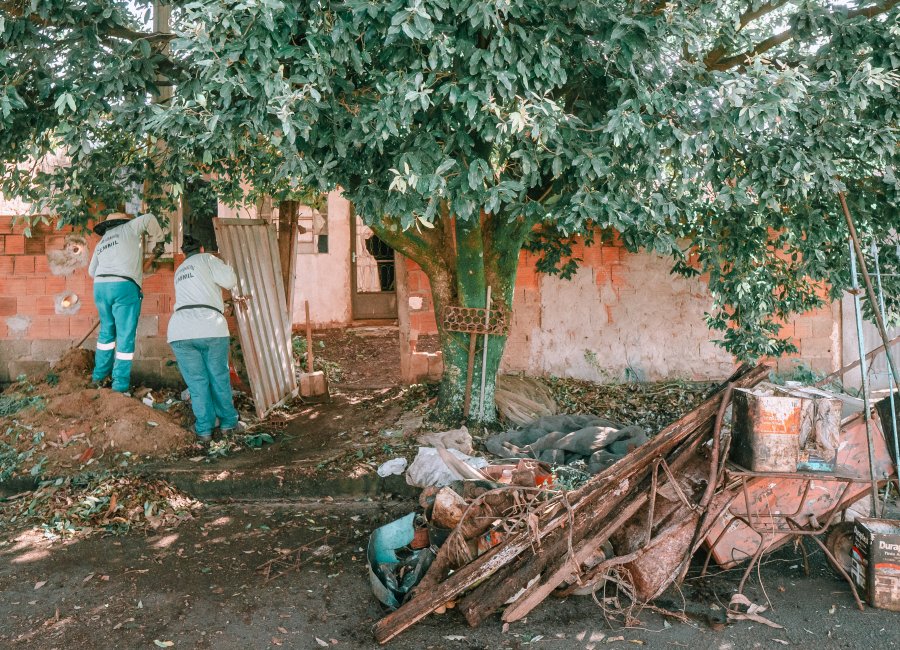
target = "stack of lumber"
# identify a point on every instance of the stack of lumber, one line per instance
(559, 539)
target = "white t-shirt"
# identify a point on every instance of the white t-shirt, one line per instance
(199, 281)
(120, 251)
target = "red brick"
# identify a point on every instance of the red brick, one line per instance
(611, 254)
(618, 276)
(59, 327)
(39, 328)
(24, 265)
(35, 245)
(35, 286)
(5, 224)
(80, 325)
(157, 284)
(41, 265)
(8, 307)
(6, 265)
(602, 275)
(55, 284)
(2, 244)
(12, 286)
(15, 245)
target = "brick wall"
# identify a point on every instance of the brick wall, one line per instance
(35, 331)
(625, 315)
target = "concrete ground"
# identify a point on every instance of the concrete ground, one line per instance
(199, 586)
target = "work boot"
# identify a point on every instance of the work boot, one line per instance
(202, 438)
(240, 427)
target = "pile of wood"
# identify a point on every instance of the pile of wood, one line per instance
(557, 540)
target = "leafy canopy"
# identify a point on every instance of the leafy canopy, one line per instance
(715, 133)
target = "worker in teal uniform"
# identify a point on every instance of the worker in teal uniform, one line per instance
(198, 334)
(117, 269)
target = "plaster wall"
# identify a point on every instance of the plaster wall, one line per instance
(324, 278)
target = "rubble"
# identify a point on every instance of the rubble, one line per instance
(551, 535)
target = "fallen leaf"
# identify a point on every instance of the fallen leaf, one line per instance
(752, 614)
(163, 644)
(87, 578)
(282, 629)
(196, 459)
(38, 585)
(833, 609)
(86, 455)
(781, 641)
(127, 620)
(113, 500)
(613, 639)
(277, 641)
(322, 643)
(455, 637)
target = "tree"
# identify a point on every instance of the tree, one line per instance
(716, 133)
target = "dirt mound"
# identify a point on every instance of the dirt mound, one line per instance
(74, 369)
(84, 425)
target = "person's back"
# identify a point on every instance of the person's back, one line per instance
(117, 269)
(120, 252)
(199, 307)
(198, 334)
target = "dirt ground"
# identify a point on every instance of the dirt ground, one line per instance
(197, 586)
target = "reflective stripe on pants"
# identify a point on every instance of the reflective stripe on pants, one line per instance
(119, 306)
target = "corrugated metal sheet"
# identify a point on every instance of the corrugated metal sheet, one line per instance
(250, 246)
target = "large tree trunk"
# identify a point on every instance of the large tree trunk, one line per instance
(461, 260)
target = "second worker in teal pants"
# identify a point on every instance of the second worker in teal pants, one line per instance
(117, 269)
(199, 337)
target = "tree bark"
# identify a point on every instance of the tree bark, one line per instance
(461, 259)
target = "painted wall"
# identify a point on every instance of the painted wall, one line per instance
(624, 315)
(324, 278)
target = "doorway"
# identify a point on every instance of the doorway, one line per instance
(373, 274)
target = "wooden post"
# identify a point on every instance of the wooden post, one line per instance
(287, 250)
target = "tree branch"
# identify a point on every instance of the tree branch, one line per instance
(786, 35)
(746, 18)
(15, 10)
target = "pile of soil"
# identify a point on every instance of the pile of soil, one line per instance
(81, 423)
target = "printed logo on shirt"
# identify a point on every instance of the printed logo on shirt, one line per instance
(106, 245)
(184, 274)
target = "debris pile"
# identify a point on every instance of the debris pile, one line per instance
(65, 506)
(514, 545)
(83, 425)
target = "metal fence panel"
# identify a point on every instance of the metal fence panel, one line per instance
(250, 246)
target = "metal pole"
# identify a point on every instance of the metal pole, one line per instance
(487, 325)
(891, 385)
(867, 414)
(870, 292)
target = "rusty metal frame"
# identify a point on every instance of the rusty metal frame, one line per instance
(784, 524)
(250, 246)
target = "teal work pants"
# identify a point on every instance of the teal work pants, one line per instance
(204, 365)
(119, 306)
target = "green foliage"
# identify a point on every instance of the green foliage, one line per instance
(685, 127)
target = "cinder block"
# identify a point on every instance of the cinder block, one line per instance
(28, 367)
(154, 347)
(169, 375)
(822, 325)
(49, 350)
(13, 349)
(145, 371)
(147, 326)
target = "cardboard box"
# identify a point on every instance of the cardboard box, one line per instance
(875, 561)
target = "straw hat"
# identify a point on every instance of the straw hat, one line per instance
(111, 221)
